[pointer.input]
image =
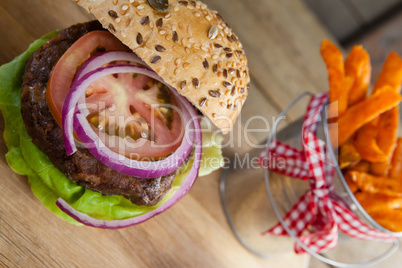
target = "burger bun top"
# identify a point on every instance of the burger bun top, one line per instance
(189, 46)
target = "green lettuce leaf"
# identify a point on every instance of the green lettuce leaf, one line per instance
(46, 181)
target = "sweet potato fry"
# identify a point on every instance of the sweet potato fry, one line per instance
(365, 143)
(358, 66)
(348, 155)
(396, 162)
(363, 112)
(375, 202)
(386, 140)
(352, 185)
(391, 73)
(390, 219)
(361, 166)
(338, 86)
(372, 184)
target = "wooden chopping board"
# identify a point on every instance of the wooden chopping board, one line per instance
(193, 233)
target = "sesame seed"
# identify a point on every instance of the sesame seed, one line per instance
(217, 45)
(213, 32)
(145, 20)
(176, 8)
(176, 71)
(117, 20)
(162, 32)
(140, 7)
(215, 68)
(238, 73)
(188, 51)
(132, 1)
(205, 64)
(186, 65)
(208, 17)
(139, 39)
(215, 57)
(124, 7)
(214, 93)
(177, 62)
(160, 48)
(227, 84)
(223, 56)
(111, 28)
(159, 23)
(168, 16)
(175, 37)
(227, 50)
(233, 92)
(239, 52)
(241, 90)
(196, 83)
(112, 14)
(183, 84)
(232, 71)
(184, 3)
(229, 55)
(225, 73)
(198, 14)
(191, 40)
(204, 49)
(229, 106)
(203, 101)
(156, 59)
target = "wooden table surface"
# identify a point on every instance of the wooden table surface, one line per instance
(281, 39)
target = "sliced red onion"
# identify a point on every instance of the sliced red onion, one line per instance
(90, 138)
(184, 188)
(101, 59)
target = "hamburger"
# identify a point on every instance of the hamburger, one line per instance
(108, 131)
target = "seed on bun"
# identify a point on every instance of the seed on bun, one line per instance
(188, 45)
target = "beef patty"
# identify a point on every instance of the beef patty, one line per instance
(80, 167)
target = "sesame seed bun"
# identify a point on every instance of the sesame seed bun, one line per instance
(189, 46)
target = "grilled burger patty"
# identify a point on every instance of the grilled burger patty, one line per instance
(80, 167)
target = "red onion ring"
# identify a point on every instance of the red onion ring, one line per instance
(101, 59)
(111, 159)
(184, 188)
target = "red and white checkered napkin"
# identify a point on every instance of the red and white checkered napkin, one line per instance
(319, 213)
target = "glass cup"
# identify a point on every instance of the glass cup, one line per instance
(254, 199)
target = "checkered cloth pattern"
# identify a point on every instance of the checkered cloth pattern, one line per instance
(318, 215)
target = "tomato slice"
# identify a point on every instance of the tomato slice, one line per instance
(133, 114)
(63, 73)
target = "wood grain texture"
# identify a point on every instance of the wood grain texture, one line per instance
(340, 17)
(281, 40)
(371, 9)
(381, 41)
